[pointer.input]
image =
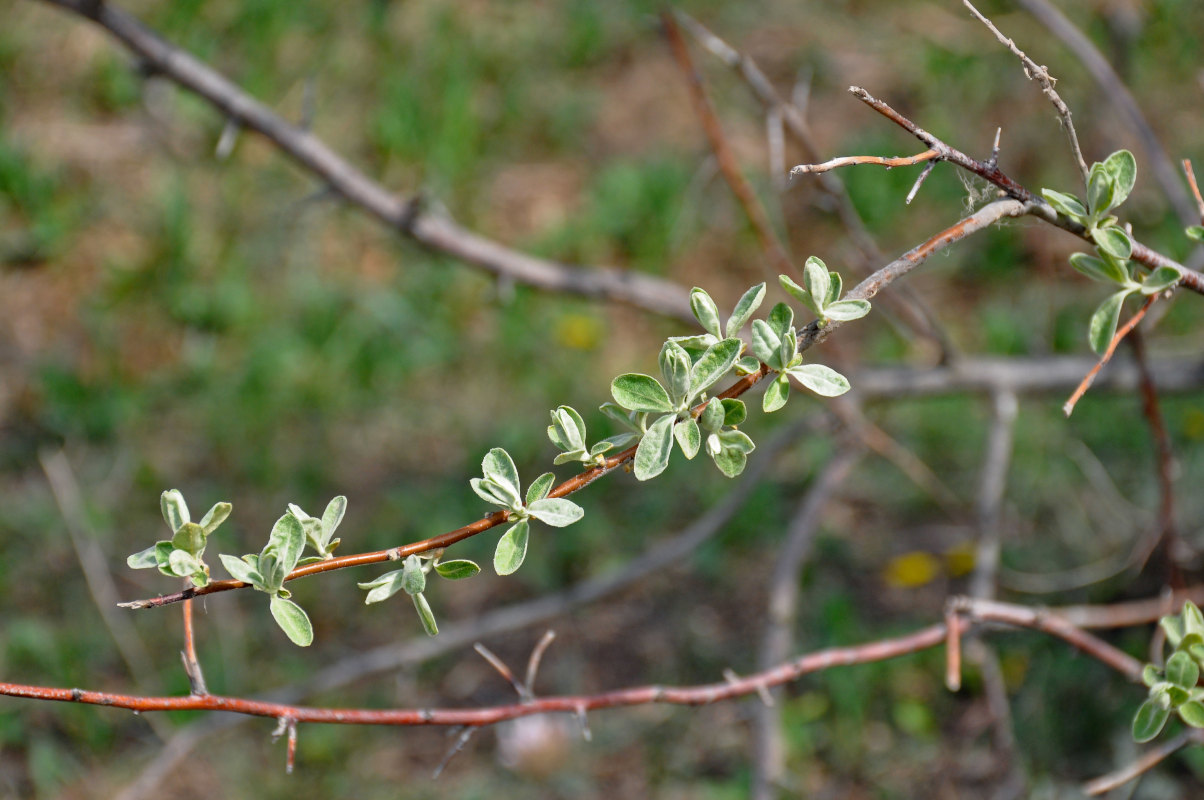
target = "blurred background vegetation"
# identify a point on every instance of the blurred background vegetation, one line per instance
(169, 318)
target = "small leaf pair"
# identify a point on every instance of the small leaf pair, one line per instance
(500, 486)
(727, 447)
(1175, 688)
(412, 578)
(820, 293)
(1111, 269)
(1109, 183)
(775, 341)
(267, 572)
(567, 432)
(182, 555)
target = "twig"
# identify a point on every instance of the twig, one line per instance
(915, 187)
(1041, 75)
(777, 639)
(502, 669)
(989, 171)
(406, 215)
(192, 667)
(535, 659)
(1121, 333)
(1150, 759)
(852, 161)
(705, 109)
(1116, 91)
(991, 486)
(1195, 187)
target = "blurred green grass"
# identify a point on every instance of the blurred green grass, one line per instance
(172, 320)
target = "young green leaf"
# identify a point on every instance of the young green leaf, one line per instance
(426, 615)
(189, 537)
(511, 548)
(1104, 322)
(413, 579)
(835, 286)
(1113, 241)
(705, 311)
(675, 368)
(734, 411)
(1160, 280)
(638, 392)
(540, 487)
(240, 570)
(1195, 233)
(183, 564)
(498, 466)
(556, 511)
(713, 365)
(780, 319)
(492, 493)
(652, 456)
(776, 394)
(175, 510)
(1105, 270)
(293, 620)
(1101, 190)
(457, 569)
(215, 516)
(1182, 670)
(789, 346)
(730, 462)
(747, 365)
(736, 440)
(766, 344)
(1149, 720)
(824, 381)
(288, 541)
(802, 295)
(847, 310)
(816, 279)
(384, 587)
(1150, 675)
(1066, 204)
(748, 303)
(1192, 712)
(688, 437)
(567, 430)
(143, 558)
(1122, 167)
(332, 517)
(711, 418)
(1193, 620)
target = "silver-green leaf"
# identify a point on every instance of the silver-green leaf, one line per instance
(293, 620)
(847, 310)
(511, 548)
(457, 569)
(175, 510)
(215, 516)
(540, 487)
(1104, 322)
(556, 511)
(638, 392)
(1113, 241)
(705, 311)
(652, 456)
(498, 466)
(426, 615)
(749, 302)
(776, 394)
(824, 381)
(688, 437)
(713, 365)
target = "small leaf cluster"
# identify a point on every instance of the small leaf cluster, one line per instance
(1109, 184)
(267, 571)
(1175, 687)
(181, 556)
(500, 487)
(412, 578)
(567, 432)
(319, 533)
(821, 293)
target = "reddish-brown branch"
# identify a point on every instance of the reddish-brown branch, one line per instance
(1195, 187)
(1068, 407)
(809, 336)
(969, 610)
(852, 161)
(724, 155)
(989, 171)
(192, 667)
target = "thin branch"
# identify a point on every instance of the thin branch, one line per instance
(1121, 333)
(1195, 187)
(989, 171)
(973, 610)
(1116, 92)
(991, 487)
(852, 161)
(406, 215)
(1150, 759)
(726, 158)
(192, 667)
(1041, 75)
(809, 336)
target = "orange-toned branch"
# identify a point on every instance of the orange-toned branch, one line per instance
(1121, 333)
(852, 161)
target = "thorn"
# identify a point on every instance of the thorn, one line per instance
(536, 658)
(502, 669)
(461, 740)
(931, 165)
(583, 721)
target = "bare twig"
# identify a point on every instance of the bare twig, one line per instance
(778, 259)
(406, 215)
(536, 657)
(192, 667)
(1121, 333)
(923, 176)
(1195, 187)
(1116, 92)
(991, 486)
(1041, 75)
(852, 161)
(1150, 759)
